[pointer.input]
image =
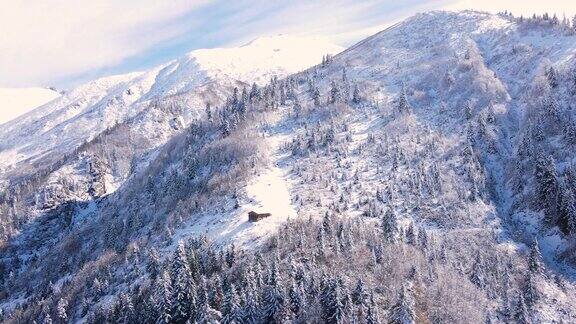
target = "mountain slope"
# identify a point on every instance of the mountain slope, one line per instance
(404, 178)
(89, 109)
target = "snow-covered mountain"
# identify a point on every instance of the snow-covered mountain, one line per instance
(86, 111)
(414, 177)
(18, 101)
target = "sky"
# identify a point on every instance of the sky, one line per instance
(66, 42)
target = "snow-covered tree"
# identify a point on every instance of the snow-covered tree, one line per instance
(403, 107)
(535, 258)
(356, 97)
(547, 185)
(403, 311)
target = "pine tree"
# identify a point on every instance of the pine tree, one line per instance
(165, 298)
(567, 208)
(372, 312)
(230, 308)
(547, 184)
(127, 311)
(334, 93)
(208, 112)
(410, 235)
(403, 311)
(295, 298)
(552, 77)
(61, 310)
(359, 295)
(530, 291)
(403, 105)
(522, 316)
(423, 239)
(182, 286)
(273, 301)
(535, 258)
(206, 314)
(250, 313)
(356, 98)
(255, 92)
(334, 308)
(468, 110)
(316, 98)
(477, 275)
(389, 226)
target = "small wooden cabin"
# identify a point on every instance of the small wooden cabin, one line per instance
(254, 216)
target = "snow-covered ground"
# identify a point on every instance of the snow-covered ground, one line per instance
(18, 101)
(268, 192)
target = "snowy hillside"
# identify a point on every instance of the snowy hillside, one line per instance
(18, 101)
(424, 175)
(86, 111)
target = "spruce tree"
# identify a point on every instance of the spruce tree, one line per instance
(403, 311)
(61, 310)
(522, 316)
(356, 98)
(334, 93)
(372, 312)
(273, 301)
(182, 286)
(403, 105)
(567, 209)
(547, 185)
(535, 258)
(477, 276)
(165, 298)
(359, 295)
(295, 298)
(389, 226)
(231, 313)
(410, 235)
(530, 291)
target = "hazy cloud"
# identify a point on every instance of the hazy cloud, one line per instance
(66, 41)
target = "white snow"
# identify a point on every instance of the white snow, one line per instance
(91, 108)
(268, 192)
(18, 101)
(264, 57)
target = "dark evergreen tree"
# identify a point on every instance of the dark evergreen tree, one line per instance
(410, 235)
(547, 185)
(356, 98)
(372, 312)
(295, 298)
(403, 105)
(359, 294)
(165, 307)
(183, 288)
(334, 93)
(530, 291)
(567, 208)
(273, 307)
(389, 226)
(208, 112)
(231, 312)
(478, 276)
(403, 311)
(535, 258)
(522, 315)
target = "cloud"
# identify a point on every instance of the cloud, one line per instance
(42, 41)
(64, 42)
